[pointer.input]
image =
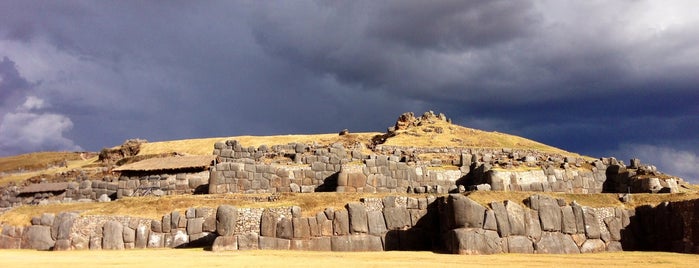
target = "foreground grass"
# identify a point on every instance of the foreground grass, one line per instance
(264, 258)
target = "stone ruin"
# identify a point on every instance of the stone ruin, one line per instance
(450, 224)
(352, 166)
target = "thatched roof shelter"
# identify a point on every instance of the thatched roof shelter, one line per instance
(44, 187)
(169, 164)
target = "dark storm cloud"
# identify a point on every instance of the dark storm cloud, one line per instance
(591, 77)
(12, 84)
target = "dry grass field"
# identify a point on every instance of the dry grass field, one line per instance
(265, 258)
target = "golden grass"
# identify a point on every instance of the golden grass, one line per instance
(19, 177)
(269, 258)
(458, 136)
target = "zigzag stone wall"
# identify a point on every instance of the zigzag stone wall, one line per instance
(453, 224)
(297, 167)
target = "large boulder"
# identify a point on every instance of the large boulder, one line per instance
(112, 235)
(515, 216)
(226, 217)
(341, 222)
(501, 217)
(556, 243)
(519, 244)
(592, 246)
(549, 214)
(224, 243)
(568, 225)
(397, 218)
(38, 237)
(377, 223)
(268, 223)
(358, 218)
(361, 242)
(467, 213)
(474, 241)
(592, 228)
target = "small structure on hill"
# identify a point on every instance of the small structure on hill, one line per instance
(35, 193)
(165, 176)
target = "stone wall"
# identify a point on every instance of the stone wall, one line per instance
(297, 167)
(453, 224)
(163, 184)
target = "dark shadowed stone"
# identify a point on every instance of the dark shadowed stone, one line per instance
(532, 225)
(112, 235)
(129, 235)
(549, 214)
(515, 215)
(358, 218)
(226, 217)
(467, 213)
(142, 233)
(202, 239)
(225, 243)
(501, 218)
(301, 228)
(377, 224)
(592, 246)
(195, 225)
(556, 243)
(37, 237)
(568, 225)
(268, 223)
(248, 241)
(285, 228)
(273, 243)
(155, 240)
(591, 224)
(397, 218)
(360, 242)
(519, 244)
(614, 227)
(341, 222)
(490, 223)
(474, 241)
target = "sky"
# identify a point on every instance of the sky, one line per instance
(601, 78)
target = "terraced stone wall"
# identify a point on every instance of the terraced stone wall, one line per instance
(452, 224)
